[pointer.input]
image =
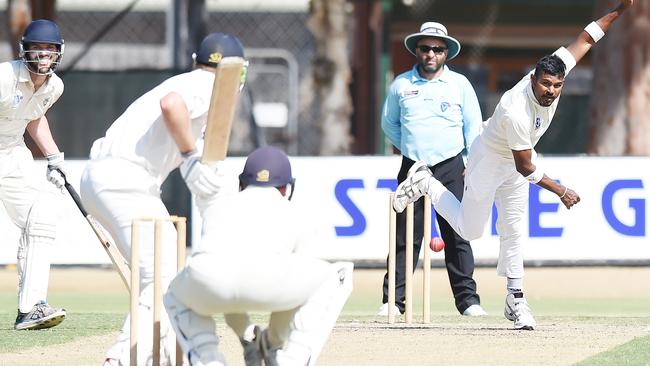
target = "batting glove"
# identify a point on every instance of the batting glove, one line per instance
(55, 171)
(202, 180)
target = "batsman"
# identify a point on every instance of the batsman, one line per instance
(156, 134)
(28, 88)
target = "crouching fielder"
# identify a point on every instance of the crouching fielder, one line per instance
(253, 257)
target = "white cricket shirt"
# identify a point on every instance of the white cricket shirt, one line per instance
(140, 136)
(519, 121)
(19, 104)
(256, 220)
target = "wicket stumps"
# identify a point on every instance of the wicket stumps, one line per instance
(180, 224)
(408, 268)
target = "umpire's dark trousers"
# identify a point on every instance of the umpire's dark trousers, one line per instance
(459, 258)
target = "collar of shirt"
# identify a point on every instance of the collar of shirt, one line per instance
(23, 74)
(415, 76)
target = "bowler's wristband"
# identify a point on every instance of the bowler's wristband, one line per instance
(595, 31)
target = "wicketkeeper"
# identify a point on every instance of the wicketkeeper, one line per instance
(254, 256)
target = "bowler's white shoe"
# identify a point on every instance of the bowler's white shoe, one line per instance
(413, 187)
(383, 310)
(517, 310)
(474, 310)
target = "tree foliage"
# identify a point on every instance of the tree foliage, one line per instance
(620, 100)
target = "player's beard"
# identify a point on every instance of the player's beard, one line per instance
(430, 69)
(546, 101)
(42, 64)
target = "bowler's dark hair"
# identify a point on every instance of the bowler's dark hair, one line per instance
(552, 65)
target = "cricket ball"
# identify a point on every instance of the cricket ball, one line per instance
(437, 244)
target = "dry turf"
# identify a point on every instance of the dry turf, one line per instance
(580, 312)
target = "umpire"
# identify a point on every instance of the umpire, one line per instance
(432, 114)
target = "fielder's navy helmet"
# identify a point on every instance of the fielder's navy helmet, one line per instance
(42, 31)
(267, 166)
(216, 46)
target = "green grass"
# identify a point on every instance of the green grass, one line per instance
(87, 315)
(635, 352)
(76, 325)
(98, 313)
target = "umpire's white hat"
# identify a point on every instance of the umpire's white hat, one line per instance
(433, 29)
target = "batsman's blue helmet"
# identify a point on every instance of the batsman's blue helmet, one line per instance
(42, 31)
(267, 166)
(216, 46)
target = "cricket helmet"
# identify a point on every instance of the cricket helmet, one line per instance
(267, 166)
(41, 31)
(216, 46)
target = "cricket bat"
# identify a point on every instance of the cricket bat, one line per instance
(113, 253)
(223, 103)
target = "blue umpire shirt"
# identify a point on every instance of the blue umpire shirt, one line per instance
(431, 120)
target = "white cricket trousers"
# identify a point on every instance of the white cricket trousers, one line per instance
(489, 178)
(235, 282)
(115, 192)
(302, 293)
(34, 210)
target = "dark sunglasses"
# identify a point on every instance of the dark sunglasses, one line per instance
(435, 49)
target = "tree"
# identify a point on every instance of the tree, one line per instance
(330, 27)
(21, 12)
(620, 100)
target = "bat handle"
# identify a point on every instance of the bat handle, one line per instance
(74, 195)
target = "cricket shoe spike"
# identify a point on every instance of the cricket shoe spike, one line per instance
(413, 187)
(41, 316)
(518, 311)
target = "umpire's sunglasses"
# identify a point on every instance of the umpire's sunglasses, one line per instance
(436, 49)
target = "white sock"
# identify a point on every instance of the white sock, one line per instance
(249, 333)
(515, 285)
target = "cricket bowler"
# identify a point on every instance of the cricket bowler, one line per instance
(502, 165)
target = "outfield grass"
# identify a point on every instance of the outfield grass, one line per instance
(635, 352)
(97, 308)
(88, 315)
